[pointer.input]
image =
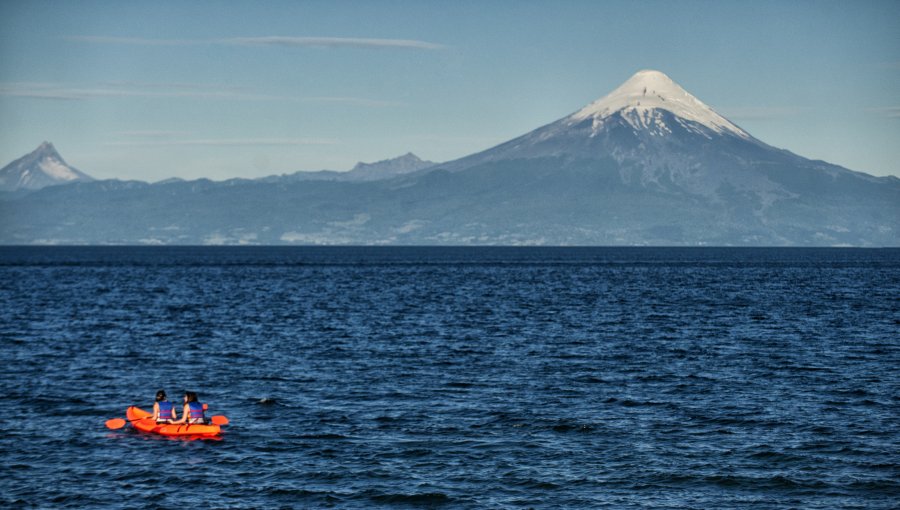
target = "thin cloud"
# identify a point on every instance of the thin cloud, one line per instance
(64, 92)
(174, 86)
(891, 112)
(283, 41)
(332, 42)
(39, 91)
(349, 100)
(770, 113)
(58, 91)
(457, 139)
(153, 134)
(760, 112)
(226, 142)
(135, 41)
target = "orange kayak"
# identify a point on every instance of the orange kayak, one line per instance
(142, 421)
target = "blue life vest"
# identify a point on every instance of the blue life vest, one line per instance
(196, 410)
(165, 411)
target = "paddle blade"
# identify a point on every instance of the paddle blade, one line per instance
(205, 407)
(219, 420)
(115, 423)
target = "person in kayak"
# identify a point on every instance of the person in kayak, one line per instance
(163, 410)
(193, 410)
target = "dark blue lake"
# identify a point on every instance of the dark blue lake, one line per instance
(455, 377)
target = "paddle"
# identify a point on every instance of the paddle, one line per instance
(217, 419)
(117, 423)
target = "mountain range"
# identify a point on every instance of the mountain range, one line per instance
(647, 164)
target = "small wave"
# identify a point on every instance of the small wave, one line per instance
(426, 498)
(637, 403)
(459, 385)
(808, 368)
(288, 495)
(417, 453)
(180, 308)
(296, 493)
(539, 485)
(574, 427)
(75, 500)
(322, 436)
(776, 482)
(775, 456)
(882, 485)
(858, 392)
(737, 421)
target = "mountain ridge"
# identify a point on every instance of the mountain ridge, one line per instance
(637, 174)
(361, 172)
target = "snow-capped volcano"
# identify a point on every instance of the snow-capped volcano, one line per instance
(41, 168)
(648, 119)
(663, 167)
(641, 100)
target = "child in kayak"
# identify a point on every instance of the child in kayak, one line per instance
(163, 410)
(193, 410)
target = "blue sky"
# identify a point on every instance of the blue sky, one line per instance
(150, 90)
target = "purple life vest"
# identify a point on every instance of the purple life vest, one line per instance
(196, 410)
(165, 411)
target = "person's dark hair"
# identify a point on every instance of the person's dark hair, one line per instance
(191, 396)
(160, 395)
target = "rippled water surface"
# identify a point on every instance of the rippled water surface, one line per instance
(464, 378)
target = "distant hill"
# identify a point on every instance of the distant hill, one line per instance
(379, 170)
(41, 168)
(648, 164)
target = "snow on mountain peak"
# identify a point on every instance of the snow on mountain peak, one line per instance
(641, 96)
(51, 163)
(57, 169)
(40, 168)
